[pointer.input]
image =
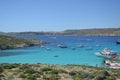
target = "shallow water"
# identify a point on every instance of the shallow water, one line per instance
(56, 55)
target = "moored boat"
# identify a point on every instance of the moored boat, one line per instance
(62, 46)
(80, 45)
(112, 64)
(107, 53)
(118, 42)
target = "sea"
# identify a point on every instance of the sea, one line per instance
(52, 54)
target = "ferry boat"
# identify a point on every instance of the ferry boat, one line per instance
(107, 53)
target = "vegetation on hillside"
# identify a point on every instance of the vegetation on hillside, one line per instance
(56, 72)
(7, 42)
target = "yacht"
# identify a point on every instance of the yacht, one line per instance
(107, 53)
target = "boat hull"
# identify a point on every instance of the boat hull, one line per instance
(118, 42)
(103, 55)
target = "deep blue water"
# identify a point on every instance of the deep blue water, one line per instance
(38, 54)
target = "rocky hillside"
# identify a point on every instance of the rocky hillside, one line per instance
(7, 42)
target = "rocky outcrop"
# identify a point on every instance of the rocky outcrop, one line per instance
(7, 42)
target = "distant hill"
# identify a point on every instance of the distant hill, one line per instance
(85, 32)
(2, 33)
(94, 32)
(7, 42)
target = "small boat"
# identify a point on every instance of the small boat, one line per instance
(118, 42)
(48, 49)
(97, 45)
(62, 46)
(112, 64)
(81, 45)
(73, 48)
(107, 53)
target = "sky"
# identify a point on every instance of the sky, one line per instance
(58, 15)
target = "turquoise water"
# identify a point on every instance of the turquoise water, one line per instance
(38, 54)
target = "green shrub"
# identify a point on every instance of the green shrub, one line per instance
(31, 77)
(1, 69)
(29, 71)
(54, 71)
(104, 73)
(46, 69)
(22, 76)
(72, 73)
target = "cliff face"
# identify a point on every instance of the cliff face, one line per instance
(7, 42)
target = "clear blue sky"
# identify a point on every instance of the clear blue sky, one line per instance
(58, 15)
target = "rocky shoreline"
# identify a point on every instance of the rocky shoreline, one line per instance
(7, 42)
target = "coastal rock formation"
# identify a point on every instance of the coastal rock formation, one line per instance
(7, 42)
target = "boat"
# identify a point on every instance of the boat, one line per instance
(81, 45)
(62, 46)
(107, 53)
(112, 64)
(48, 49)
(73, 48)
(98, 45)
(118, 42)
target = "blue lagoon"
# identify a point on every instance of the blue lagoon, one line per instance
(52, 54)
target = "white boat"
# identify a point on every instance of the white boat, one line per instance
(62, 46)
(97, 45)
(81, 45)
(112, 64)
(107, 53)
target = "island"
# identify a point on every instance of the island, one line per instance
(8, 42)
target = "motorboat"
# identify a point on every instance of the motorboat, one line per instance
(112, 64)
(81, 45)
(48, 49)
(118, 42)
(62, 46)
(97, 45)
(107, 53)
